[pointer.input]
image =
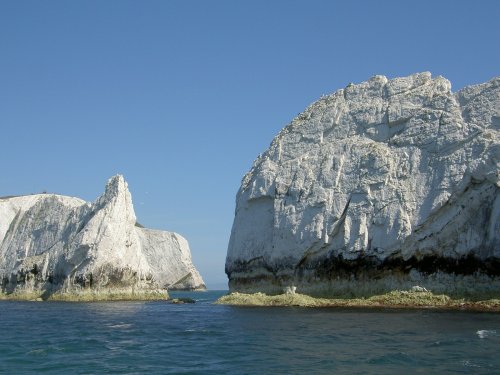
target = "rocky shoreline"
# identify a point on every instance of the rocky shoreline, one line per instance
(88, 296)
(396, 299)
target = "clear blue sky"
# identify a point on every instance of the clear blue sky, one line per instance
(181, 96)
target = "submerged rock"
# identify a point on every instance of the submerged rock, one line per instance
(380, 186)
(182, 300)
(59, 247)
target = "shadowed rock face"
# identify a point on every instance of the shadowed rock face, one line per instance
(378, 186)
(53, 245)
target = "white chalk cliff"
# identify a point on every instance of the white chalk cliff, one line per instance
(381, 185)
(58, 246)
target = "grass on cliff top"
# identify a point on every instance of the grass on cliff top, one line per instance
(396, 299)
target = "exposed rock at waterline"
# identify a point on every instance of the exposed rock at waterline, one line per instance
(61, 247)
(182, 300)
(380, 186)
(395, 299)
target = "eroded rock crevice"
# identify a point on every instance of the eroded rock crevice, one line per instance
(376, 183)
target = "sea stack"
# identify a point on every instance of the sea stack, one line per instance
(59, 247)
(379, 186)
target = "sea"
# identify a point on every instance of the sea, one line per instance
(204, 338)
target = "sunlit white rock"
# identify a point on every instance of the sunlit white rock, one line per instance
(386, 173)
(58, 244)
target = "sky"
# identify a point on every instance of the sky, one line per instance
(181, 96)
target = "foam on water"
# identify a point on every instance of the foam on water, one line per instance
(485, 333)
(120, 326)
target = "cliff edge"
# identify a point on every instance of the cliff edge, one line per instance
(379, 186)
(59, 247)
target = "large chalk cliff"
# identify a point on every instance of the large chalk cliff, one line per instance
(382, 185)
(54, 246)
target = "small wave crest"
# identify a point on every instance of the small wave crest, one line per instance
(483, 333)
(41, 351)
(120, 326)
(468, 363)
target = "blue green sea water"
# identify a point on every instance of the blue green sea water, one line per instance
(203, 338)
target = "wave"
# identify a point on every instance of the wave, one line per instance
(483, 333)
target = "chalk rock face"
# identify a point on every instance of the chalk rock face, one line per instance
(53, 245)
(382, 185)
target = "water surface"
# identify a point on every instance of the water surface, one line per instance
(202, 338)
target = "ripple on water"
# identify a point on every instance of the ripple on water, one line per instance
(202, 338)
